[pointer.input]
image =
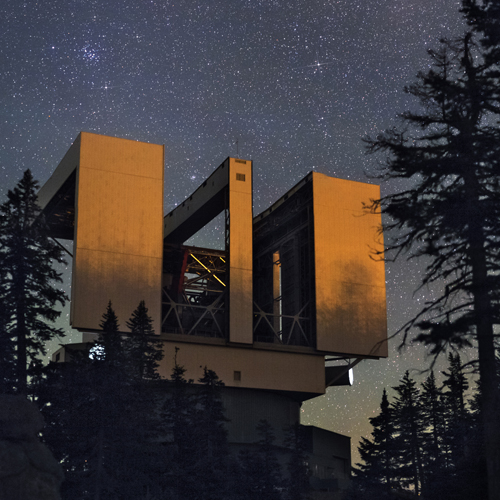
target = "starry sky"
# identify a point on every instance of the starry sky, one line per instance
(292, 85)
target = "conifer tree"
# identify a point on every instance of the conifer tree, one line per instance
(196, 455)
(484, 18)
(457, 421)
(143, 351)
(297, 486)
(433, 419)
(109, 343)
(101, 422)
(177, 413)
(110, 404)
(7, 358)
(450, 153)
(457, 385)
(212, 451)
(68, 403)
(409, 440)
(378, 472)
(28, 290)
(260, 470)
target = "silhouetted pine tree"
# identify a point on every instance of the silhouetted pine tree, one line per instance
(211, 465)
(377, 473)
(434, 425)
(28, 293)
(109, 343)
(457, 420)
(409, 439)
(260, 470)
(196, 460)
(449, 155)
(179, 438)
(456, 382)
(297, 485)
(100, 422)
(469, 481)
(143, 350)
(484, 17)
(7, 357)
(114, 439)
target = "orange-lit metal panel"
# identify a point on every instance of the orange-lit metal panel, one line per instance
(350, 285)
(258, 368)
(107, 196)
(118, 245)
(240, 252)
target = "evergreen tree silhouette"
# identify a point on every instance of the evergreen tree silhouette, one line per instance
(434, 416)
(450, 212)
(143, 350)
(409, 434)
(377, 473)
(260, 470)
(297, 486)
(28, 290)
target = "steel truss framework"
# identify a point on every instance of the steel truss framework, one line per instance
(194, 300)
(284, 273)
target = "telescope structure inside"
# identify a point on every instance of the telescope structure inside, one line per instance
(294, 285)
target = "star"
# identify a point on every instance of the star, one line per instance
(298, 83)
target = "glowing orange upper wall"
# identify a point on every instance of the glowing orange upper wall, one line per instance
(114, 188)
(240, 252)
(350, 284)
(118, 230)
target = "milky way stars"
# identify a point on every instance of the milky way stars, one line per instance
(297, 82)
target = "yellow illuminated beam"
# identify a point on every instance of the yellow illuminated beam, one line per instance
(204, 266)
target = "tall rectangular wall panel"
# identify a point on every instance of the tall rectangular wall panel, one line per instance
(350, 284)
(240, 252)
(118, 244)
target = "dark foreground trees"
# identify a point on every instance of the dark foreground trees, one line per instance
(421, 443)
(28, 287)
(449, 150)
(260, 473)
(378, 470)
(99, 417)
(122, 432)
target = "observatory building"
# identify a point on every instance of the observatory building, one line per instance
(289, 306)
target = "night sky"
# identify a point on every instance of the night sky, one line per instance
(292, 85)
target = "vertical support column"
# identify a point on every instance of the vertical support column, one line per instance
(277, 304)
(240, 251)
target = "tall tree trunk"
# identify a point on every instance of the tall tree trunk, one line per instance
(485, 339)
(21, 333)
(100, 464)
(489, 381)
(483, 310)
(22, 382)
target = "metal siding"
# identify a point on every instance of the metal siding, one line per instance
(260, 369)
(350, 285)
(119, 236)
(240, 253)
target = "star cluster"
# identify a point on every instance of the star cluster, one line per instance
(293, 85)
